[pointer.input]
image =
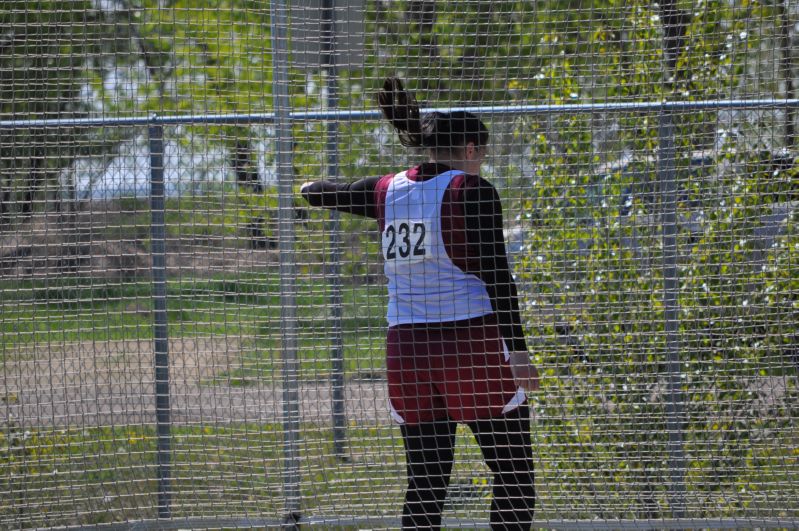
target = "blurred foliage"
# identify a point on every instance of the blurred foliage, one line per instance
(51, 52)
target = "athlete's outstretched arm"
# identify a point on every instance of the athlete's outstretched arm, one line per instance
(354, 198)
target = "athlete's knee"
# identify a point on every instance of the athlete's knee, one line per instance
(514, 496)
(428, 487)
(513, 506)
(515, 485)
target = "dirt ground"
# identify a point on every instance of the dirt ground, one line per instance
(112, 383)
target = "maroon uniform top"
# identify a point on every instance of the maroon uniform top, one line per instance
(471, 222)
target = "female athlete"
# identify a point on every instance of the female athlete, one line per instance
(456, 352)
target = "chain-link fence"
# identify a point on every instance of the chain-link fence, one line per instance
(186, 344)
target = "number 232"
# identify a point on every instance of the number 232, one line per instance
(400, 240)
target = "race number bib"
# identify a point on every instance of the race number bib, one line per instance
(405, 240)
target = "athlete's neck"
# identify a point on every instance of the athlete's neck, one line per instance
(467, 159)
(455, 165)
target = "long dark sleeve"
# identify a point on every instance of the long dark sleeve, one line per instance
(483, 220)
(354, 198)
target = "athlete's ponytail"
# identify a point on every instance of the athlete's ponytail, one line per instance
(401, 110)
(436, 130)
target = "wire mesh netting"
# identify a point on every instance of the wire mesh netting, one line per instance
(186, 342)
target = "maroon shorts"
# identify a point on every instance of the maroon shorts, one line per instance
(456, 370)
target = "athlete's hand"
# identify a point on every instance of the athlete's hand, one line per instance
(525, 375)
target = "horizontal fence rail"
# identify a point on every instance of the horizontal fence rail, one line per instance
(357, 115)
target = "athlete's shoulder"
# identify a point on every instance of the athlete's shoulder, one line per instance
(383, 182)
(474, 186)
(476, 181)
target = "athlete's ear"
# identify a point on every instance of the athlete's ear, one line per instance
(471, 151)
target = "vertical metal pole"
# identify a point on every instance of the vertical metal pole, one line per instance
(281, 104)
(333, 268)
(667, 176)
(160, 338)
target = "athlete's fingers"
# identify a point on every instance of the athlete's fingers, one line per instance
(528, 384)
(526, 377)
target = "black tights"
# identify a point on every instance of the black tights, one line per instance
(507, 449)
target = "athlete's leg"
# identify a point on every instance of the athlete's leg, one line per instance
(428, 454)
(507, 449)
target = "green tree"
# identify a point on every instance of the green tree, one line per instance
(51, 54)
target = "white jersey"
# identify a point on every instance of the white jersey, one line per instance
(424, 286)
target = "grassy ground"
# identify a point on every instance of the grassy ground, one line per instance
(109, 474)
(53, 313)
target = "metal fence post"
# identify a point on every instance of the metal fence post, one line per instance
(281, 104)
(160, 337)
(667, 177)
(333, 268)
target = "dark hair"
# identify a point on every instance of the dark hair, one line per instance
(436, 130)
